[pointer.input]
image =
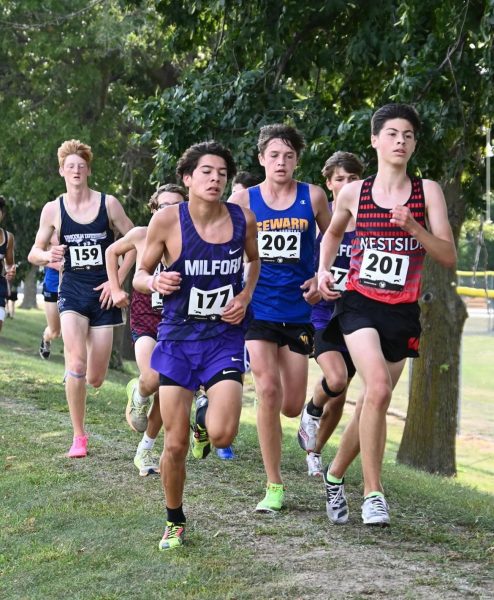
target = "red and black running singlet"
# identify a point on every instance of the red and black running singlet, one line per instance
(386, 261)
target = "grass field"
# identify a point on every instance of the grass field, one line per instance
(88, 529)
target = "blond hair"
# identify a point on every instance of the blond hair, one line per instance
(74, 147)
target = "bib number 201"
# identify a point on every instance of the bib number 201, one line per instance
(385, 270)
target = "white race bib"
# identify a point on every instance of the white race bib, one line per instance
(384, 270)
(209, 304)
(86, 257)
(340, 276)
(279, 246)
(156, 300)
(156, 297)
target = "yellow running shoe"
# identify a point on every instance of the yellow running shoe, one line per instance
(173, 536)
(273, 500)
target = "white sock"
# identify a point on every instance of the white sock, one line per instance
(140, 399)
(146, 443)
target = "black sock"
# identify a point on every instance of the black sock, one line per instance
(313, 411)
(201, 416)
(175, 515)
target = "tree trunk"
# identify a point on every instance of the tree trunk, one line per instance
(116, 361)
(30, 281)
(429, 437)
(122, 341)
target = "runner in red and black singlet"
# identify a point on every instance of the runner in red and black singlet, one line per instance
(386, 262)
(143, 411)
(378, 314)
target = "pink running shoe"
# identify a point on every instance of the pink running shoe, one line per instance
(79, 447)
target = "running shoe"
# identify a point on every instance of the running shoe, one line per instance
(136, 413)
(314, 464)
(147, 462)
(225, 453)
(375, 511)
(201, 446)
(173, 536)
(273, 500)
(336, 504)
(44, 349)
(307, 431)
(79, 447)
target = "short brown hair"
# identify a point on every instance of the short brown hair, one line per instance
(344, 160)
(171, 188)
(288, 134)
(74, 147)
(395, 111)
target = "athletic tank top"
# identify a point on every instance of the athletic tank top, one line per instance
(51, 279)
(145, 304)
(211, 277)
(286, 241)
(322, 311)
(386, 262)
(86, 243)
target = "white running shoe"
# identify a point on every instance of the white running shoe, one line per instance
(336, 504)
(135, 412)
(375, 511)
(307, 431)
(314, 464)
(147, 462)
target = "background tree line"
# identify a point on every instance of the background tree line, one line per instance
(141, 80)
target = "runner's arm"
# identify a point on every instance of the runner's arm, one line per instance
(438, 242)
(39, 255)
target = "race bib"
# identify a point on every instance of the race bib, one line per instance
(86, 257)
(279, 246)
(340, 276)
(209, 304)
(156, 300)
(156, 297)
(384, 270)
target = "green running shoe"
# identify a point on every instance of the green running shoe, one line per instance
(135, 412)
(173, 536)
(201, 446)
(147, 462)
(273, 500)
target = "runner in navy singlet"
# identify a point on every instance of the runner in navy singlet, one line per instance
(145, 316)
(280, 338)
(205, 302)
(398, 219)
(84, 221)
(324, 410)
(7, 264)
(51, 282)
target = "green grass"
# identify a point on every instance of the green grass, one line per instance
(88, 529)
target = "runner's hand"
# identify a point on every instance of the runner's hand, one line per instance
(105, 295)
(311, 293)
(325, 283)
(167, 282)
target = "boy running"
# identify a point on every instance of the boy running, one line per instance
(145, 316)
(201, 335)
(85, 222)
(323, 412)
(280, 338)
(398, 219)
